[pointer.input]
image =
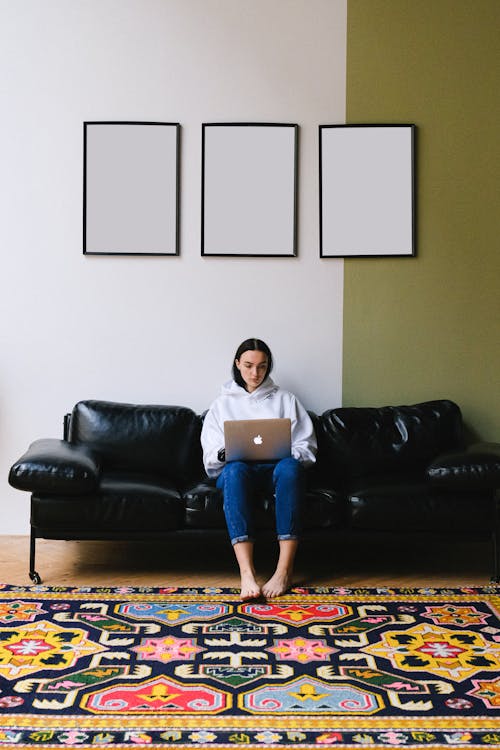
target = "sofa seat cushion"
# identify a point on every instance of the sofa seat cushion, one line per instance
(477, 467)
(128, 484)
(205, 508)
(417, 506)
(123, 502)
(323, 508)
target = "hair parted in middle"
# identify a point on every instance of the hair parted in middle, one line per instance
(251, 345)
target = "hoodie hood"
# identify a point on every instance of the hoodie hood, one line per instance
(266, 389)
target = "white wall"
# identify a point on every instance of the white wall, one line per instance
(164, 329)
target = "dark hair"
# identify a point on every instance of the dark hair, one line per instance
(251, 345)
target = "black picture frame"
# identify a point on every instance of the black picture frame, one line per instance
(131, 187)
(367, 190)
(249, 189)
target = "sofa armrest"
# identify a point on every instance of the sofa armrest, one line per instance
(476, 467)
(51, 465)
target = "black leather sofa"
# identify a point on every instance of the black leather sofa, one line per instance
(125, 471)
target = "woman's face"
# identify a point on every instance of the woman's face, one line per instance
(253, 368)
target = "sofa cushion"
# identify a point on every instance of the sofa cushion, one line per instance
(205, 508)
(161, 440)
(478, 467)
(417, 506)
(323, 508)
(365, 441)
(203, 504)
(51, 465)
(124, 502)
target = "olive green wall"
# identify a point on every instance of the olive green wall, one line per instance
(429, 327)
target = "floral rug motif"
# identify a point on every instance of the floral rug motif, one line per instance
(189, 668)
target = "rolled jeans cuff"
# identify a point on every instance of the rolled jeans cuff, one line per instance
(287, 537)
(238, 539)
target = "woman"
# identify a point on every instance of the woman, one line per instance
(251, 394)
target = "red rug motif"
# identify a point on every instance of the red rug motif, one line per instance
(182, 667)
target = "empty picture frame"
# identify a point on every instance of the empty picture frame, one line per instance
(131, 188)
(367, 190)
(249, 189)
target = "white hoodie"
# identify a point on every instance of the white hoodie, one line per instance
(265, 402)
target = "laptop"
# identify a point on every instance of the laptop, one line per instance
(257, 439)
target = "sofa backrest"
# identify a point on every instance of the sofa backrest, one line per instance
(162, 440)
(363, 441)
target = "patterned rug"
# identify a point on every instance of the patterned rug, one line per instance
(178, 667)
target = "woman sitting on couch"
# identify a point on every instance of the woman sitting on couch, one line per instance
(252, 394)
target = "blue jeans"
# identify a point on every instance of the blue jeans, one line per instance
(240, 480)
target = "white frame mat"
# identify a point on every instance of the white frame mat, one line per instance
(367, 190)
(131, 188)
(249, 189)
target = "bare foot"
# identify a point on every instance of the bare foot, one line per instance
(276, 585)
(250, 589)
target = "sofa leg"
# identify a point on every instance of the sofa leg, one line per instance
(33, 574)
(495, 578)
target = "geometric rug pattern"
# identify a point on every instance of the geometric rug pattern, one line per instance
(125, 667)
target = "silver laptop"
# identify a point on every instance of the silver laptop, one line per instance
(257, 439)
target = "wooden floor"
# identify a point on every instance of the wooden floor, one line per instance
(199, 560)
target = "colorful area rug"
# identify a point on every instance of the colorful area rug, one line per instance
(174, 667)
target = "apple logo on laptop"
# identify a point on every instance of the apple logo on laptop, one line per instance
(258, 440)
